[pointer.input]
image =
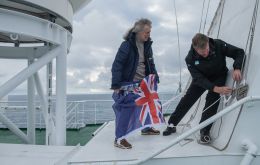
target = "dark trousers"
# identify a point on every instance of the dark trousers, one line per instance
(192, 95)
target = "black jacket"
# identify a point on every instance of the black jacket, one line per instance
(205, 71)
(126, 61)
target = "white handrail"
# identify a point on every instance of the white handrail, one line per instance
(197, 128)
(99, 129)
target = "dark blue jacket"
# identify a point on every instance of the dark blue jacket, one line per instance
(126, 61)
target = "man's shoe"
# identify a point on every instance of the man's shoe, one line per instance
(205, 139)
(123, 144)
(150, 131)
(169, 130)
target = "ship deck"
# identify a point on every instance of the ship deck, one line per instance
(101, 149)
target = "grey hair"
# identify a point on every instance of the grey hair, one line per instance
(138, 26)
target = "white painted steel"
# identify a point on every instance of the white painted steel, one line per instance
(20, 154)
(251, 152)
(64, 160)
(99, 129)
(27, 72)
(49, 124)
(31, 107)
(12, 127)
(61, 88)
(56, 34)
(49, 107)
(62, 8)
(22, 52)
(39, 29)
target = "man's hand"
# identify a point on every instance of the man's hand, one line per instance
(116, 90)
(237, 76)
(222, 90)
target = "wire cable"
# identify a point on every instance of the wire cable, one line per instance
(201, 14)
(179, 53)
(206, 18)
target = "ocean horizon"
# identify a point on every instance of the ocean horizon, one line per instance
(82, 109)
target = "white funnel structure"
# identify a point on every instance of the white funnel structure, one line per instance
(39, 32)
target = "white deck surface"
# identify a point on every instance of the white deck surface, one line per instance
(101, 148)
(21, 154)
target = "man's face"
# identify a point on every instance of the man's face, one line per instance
(145, 34)
(203, 52)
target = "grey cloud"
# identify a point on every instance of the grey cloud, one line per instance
(103, 27)
(97, 34)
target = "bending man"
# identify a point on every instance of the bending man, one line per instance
(206, 62)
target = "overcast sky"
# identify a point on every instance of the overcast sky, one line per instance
(98, 30)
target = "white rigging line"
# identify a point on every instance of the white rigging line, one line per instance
(223, 3)
(206, 17)
(201, 14)
(179, 90)
(251, 37)
(178, 44)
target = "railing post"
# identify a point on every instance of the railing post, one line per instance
(76, 115)
(95, 113)
(84, 113)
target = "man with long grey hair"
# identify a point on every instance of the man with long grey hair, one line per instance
(133, 62)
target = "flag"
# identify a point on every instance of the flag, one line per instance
(137, 107)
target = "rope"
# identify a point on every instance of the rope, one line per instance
(223, 1)
(175, 10)
(251, 36)
(201, 14)
(206, 17)
(187, 124)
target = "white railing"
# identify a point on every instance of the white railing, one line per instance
(79, 113)
(170, 104)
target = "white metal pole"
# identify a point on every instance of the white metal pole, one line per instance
(49, 124)
(95, 113)
(49, 110)
(31, 108)
(61, 70)
(27, 72)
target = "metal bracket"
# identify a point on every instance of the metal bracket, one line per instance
(241, 91)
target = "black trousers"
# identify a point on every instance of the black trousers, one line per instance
(192, 95)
